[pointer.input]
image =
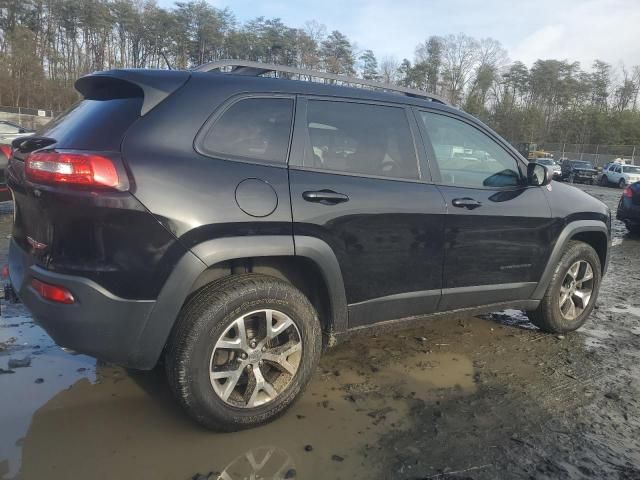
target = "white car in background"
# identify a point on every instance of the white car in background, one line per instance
(619, 174)
(551, 165)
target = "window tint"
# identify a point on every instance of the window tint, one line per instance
(466, 156)
(360, 138)
(254, 128)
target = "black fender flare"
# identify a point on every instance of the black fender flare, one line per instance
(567, 233)
(160, 322)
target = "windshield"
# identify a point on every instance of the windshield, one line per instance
(581, 164)
(544, 161)
(631, 169)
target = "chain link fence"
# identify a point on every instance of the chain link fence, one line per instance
(27, 117)
(598, 155)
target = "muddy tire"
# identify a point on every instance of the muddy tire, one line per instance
(242, 329)
(565, 306)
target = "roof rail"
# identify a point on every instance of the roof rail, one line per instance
(246, 67)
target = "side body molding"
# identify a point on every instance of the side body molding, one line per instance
(563, 239)
(156, 331)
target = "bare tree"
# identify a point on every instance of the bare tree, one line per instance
(459, 55)
(389, 69)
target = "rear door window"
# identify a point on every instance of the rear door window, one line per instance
(256, 128)
(360, 138)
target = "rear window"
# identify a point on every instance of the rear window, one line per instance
(94, 124)
(252, 128)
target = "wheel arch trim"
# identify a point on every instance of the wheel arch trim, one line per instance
(154, 334)
(566, 235)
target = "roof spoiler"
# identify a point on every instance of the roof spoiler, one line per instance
(153, 85)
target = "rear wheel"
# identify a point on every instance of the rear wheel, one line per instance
(242, 351)
(572, 292)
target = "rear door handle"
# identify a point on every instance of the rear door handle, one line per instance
(325, 197)
(466, 202)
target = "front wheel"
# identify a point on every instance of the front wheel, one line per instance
(243, 349)
(622, 183)
(604, 181)
(572, 292)
(572, 178)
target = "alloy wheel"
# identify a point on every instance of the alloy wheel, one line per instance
(256, 358)
(576, 290)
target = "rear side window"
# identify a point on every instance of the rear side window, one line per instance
(360, 138)
(252, 128)
(94, 124)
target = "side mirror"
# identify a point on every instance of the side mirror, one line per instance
(538, 175)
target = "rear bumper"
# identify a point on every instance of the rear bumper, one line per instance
(99, 323)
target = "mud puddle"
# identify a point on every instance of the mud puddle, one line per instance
(105, 422)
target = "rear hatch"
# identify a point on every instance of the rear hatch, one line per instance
(69, 180)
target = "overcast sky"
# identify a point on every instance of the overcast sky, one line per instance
(580, 30)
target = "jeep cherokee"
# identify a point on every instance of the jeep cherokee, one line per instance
(233, 224)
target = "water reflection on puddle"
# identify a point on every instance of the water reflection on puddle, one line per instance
(88, 421)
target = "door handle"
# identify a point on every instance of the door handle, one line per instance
(466, 202)
(325, 197)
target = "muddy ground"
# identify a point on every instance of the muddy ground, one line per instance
(468, 398)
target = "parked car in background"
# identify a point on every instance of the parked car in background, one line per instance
(303, 213)
(10, 131)
(578, 171)
(551, 165)
(620, 175)
(629, 207)
(5, 152)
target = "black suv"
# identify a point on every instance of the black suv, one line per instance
(234, 225)
(578, 171)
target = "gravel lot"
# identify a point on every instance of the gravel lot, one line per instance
(463, 398)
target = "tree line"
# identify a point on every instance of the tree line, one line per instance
(45, 45)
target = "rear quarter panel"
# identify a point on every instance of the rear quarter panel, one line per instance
(191, 194)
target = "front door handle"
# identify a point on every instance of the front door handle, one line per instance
(325, 197)
(466, 202)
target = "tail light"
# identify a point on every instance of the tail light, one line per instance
(86, 169)
(5, 150)
(53, 293)
(627, 192)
